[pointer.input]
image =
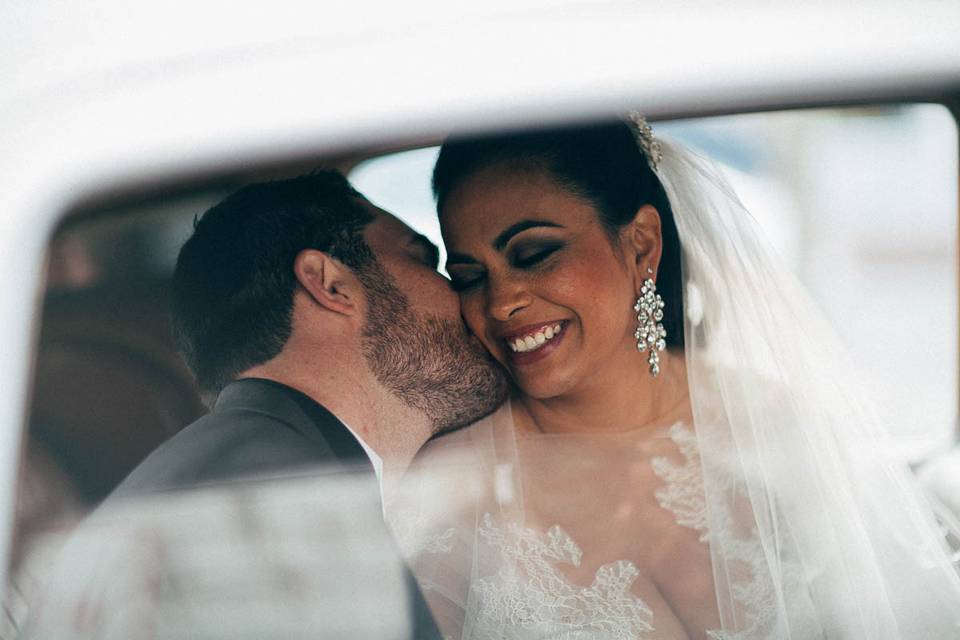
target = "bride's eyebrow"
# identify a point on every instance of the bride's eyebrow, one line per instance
(501, 240)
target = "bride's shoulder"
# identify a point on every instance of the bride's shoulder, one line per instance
(477, 439)
(447, 482)
(461, 462)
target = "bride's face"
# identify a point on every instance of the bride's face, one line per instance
(540, 281)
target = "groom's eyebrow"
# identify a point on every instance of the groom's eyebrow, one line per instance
(460, 258)
(501, 240)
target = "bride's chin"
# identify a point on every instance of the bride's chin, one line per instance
(541, 387)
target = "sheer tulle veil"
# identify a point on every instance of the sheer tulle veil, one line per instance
(842, 538)
(813, 531)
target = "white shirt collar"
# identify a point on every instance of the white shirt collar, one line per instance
(375, 460)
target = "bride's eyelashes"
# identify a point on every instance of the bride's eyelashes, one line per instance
(526, 256)
(460, 281)
(522, 256)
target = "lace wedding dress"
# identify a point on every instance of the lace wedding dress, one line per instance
(773, 514)
(496, 547)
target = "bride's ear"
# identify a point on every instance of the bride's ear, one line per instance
(330, 283)
(643, 242)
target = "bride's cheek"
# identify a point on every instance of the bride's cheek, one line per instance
(472, 315)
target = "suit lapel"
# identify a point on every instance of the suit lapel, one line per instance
(312, 420)
(299, 412)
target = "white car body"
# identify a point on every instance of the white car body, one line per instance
(106, 97)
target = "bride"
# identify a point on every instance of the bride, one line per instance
(684, 454)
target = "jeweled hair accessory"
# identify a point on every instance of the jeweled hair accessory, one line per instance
(645, 138)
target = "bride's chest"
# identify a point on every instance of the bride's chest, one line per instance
(641, 502)
(599, 528)
(632, 584)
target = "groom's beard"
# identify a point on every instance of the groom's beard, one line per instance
(430, 363)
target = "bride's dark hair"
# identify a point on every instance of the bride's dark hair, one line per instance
(601, 163)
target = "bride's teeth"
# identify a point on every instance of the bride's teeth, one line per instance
(534, 341)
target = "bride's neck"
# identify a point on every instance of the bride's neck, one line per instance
(614, 401)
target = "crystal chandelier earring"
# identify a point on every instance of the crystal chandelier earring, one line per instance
(650, 334)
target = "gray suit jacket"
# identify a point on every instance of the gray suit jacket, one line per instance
(258, 429)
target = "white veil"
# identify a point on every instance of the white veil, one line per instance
(781, 428)
(812, 531)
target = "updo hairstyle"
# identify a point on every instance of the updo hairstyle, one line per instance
(600, 163)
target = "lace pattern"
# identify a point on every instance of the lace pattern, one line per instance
(412, 533)
(530, 592)
(685, 496)
(518, 590)
(682, 493)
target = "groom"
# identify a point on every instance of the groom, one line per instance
(329, 336)
(325, 329)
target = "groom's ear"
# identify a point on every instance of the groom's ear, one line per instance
(330, 283)
(643, 240)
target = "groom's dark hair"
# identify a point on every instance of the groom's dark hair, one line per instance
(233, 284)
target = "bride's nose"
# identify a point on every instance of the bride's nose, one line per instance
(505, 297)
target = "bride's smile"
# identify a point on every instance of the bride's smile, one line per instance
(542, 283)
(534, 341)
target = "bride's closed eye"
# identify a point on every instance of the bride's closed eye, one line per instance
(463, 278)
(524, 256)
